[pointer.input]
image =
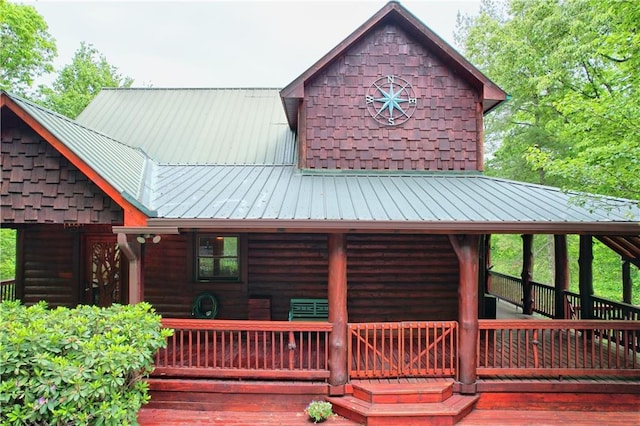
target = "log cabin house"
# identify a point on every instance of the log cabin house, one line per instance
(331, 234)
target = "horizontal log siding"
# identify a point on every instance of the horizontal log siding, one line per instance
(405, 277)
(48, 266)
(170, 285)
(401, 277)
(286, 266)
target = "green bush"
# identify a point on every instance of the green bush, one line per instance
(76, 366)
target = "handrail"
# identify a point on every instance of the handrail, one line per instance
(542, 348)
(603, 309)
(8, 289)
(509, 288)
(245, 349)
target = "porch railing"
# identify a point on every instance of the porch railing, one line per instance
(558, 348)
(509, 288)
(603, 309)
(8, 290)
(245, 349)
(402, 349)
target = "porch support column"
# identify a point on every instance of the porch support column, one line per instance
(338, 315)
(527, 269)
(627, 284)
(585, 280)
(561, 280)
(133, 253)
(466, 248)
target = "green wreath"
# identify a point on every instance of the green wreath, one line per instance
(206, 310)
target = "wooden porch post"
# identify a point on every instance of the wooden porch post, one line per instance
(338, 315)
(585, 281)
(561, 273)
(133, 253)
(527, 269)
(466, 248)
(627, 284)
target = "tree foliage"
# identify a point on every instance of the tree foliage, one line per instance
(571, 69)
(80, 81)
(27, 50)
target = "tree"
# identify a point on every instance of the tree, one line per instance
(571, 69)
(26, 48)
(80, 81)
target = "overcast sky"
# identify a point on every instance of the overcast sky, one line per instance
(221, 44)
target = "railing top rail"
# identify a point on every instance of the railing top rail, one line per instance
(519, 280)
(558, 324)
(8, 282)
(242, 325)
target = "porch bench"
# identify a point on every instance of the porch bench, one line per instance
(309, 310)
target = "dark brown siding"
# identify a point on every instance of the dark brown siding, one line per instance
(170, 286)
(40, 186)
(339, 133)
(396, 278)
(286, 266)
(390, 277)
(49, 265)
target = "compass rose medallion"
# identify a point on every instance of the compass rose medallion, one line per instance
(391, 100)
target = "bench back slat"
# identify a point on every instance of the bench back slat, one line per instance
(309, 310)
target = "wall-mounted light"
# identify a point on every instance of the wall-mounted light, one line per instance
(142, 238)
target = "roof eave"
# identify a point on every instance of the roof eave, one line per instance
(422, 227)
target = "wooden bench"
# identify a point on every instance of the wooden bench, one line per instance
(309, 310)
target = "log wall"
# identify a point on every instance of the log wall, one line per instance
(48, 266)
(390, 277)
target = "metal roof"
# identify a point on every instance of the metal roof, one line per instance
(196, 126)
(120, 165)
(284, 193)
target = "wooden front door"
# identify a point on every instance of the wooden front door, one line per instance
(103, 271)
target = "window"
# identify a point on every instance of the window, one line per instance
(217, 257)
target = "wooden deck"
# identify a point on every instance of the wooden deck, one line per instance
(501, 402)
(531, 371)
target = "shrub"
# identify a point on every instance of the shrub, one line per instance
(319, 411)
(76, 366)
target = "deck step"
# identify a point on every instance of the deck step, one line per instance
(398, 393)
(448, 412)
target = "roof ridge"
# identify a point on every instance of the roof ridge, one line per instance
(72, 121)
(121, 89)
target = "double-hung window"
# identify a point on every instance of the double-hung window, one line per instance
(217, 257)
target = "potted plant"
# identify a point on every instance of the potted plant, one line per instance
(319, 411)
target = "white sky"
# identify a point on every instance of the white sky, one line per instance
(221, 44)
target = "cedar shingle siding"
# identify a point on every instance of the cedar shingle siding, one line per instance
(340, 134)
(40, 186)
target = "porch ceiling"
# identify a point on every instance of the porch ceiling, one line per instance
(282, 197)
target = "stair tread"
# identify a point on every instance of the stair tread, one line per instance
(404, 388)
(453, 405)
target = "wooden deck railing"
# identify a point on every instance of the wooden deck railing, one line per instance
(402, 349)
(509, 288)
(8, 290)
(603, 309)
(245, 349)
(542, 348)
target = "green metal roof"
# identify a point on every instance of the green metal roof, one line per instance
(123, 166)
(196, 126)
(227, 195)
